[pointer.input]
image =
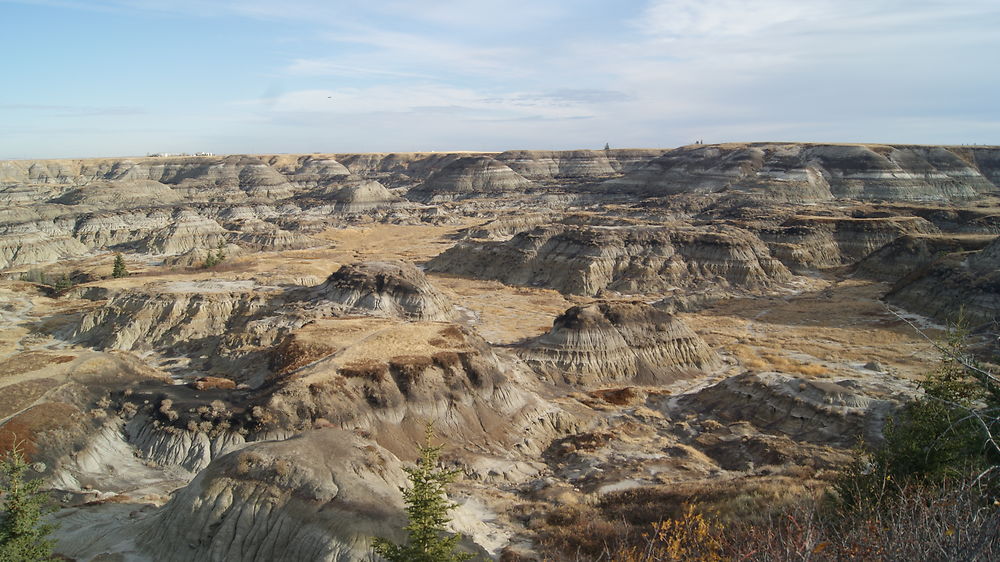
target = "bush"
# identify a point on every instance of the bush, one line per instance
(944, 435)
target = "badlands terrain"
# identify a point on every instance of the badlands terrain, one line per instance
(588, 332)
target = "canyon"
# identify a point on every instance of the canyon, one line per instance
(574, 325)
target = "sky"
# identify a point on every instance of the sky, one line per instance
(131, 77)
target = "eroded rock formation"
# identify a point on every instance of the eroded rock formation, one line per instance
(609, 342)
(586, 259)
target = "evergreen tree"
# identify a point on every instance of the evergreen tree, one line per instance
(23, 535)
(427, 507)
(119, 268)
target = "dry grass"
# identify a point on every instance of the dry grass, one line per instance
(753, 360)
(15, 397)
(365, 369)
(31, 361)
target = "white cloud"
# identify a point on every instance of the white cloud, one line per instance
(694, 18)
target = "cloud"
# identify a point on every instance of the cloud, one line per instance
(695, 18)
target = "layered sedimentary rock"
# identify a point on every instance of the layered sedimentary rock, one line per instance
(376, 374)
(171, 314)
(617, 341)
(804, 242)
(509, 225)
(387, 288)
(586, 259)
(224, 323)
(575, 164)
(415, 166)
(107, 229)
(470, 176)
(256, 234)
(187, 230)
(537, 165)
(912, 252)
(319, 496)
(809, 173)
(958, 285)
(121, 194)
(32, 242)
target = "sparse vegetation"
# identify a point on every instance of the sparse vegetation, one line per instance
(427, 507)
(61, 281)
(215, 258)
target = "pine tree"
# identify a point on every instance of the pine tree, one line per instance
(23, 535)
(427, 507)
(119, 268)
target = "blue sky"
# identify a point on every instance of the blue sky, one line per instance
(118, 77)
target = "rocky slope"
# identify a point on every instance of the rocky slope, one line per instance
(914, 252)
(586, 259)
(609, 342)
(810, 242)
(318, 496)
(961, 284)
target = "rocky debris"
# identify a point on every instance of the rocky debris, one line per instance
(387, 288)
(914, 252)
(608, 342)
(810, 242)
(811, 173)
(963, 284)
(470, 176)
(586, 259)
(832, 412)
(320, 495)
